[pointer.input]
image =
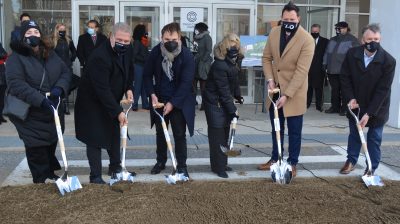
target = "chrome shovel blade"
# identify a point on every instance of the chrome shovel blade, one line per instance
(122, 176)
(230, 152)
(178, 177)
(68, 185)
(371, 180)
(281, 174)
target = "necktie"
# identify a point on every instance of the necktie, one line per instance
(94, 39)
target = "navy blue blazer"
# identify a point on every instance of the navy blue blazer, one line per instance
(183, 97)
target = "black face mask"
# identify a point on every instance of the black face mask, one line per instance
(61, 33)
(315, 35)
(171, 46)
(232, 52)
(289, 26)
(120, 48)
(32, 41)
(372, 46)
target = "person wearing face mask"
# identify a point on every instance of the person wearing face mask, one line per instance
(32, 70)
(140, 55)
(88, 41)
(202, 58)
(218, 97)
(367, 76)
(171, 66)
(65, 49)
(98, 114)
(316, 74)
(16, 33)
(286, 61)
(333, 60)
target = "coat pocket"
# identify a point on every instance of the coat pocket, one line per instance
(216, 116)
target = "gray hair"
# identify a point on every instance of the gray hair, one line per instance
(123, 27)
(374, 27)
(316, 25)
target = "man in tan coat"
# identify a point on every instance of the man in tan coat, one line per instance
(286, 60)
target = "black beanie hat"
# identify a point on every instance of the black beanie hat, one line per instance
(26, 25)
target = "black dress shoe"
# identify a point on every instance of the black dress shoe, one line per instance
(184, 171)
(119, 171)
(97, 180)
(222, 174)
(53, 176)
(2, 120)
(227, 168)
(331, 111)
(158, 167)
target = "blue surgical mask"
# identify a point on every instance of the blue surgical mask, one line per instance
(90, 31)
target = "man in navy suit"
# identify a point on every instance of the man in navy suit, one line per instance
(89, 41)
(172, 68)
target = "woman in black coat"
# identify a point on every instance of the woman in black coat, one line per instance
(65, 49)
(221, 89)
(140, 54)
(32, 70)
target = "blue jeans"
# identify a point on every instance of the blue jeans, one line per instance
(374, 140)
(295, 127)
(139, 89)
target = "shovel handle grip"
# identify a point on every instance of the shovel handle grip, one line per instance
(125, 102)
(276, 90)
(158, 105)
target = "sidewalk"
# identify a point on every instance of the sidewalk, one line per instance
(323, 147)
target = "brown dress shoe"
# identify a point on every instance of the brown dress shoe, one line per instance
(266, 166)
(294, 171)
(347, 168)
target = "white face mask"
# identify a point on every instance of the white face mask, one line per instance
(90, 31)
(196, 32)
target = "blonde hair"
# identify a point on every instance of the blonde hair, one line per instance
(56, 36)
(226, 43)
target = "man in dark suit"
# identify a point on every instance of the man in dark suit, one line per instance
(367, 76)
(98, 114)
(172, 67)
(89, 41)
(316, 75)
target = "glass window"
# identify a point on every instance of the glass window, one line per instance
(356, 23)
(148, 16)
(232, 21)
(357, 6)
(326, 17)
(319, 2)
(189, 34)
(105, 15)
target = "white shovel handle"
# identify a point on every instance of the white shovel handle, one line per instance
(124, 136)
(60, 138)
(169, 144)
(364, 146)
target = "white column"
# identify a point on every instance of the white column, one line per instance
(384, 13)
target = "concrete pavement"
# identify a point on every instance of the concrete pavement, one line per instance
(323, 149)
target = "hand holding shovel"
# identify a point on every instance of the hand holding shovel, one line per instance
(229, 151)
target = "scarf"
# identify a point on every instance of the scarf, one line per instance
(169, 59)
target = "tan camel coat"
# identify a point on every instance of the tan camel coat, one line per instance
(289, 71)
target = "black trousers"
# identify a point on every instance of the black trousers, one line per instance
(318, 97)
(336, 93)
(216, 138)
(42, 162)
(178, 124)
(94, 156)
(2, 93)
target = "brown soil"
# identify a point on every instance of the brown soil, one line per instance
(303, 201)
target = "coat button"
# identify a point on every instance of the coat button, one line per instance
(279, 70)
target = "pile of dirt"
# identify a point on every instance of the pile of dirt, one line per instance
(260, 201)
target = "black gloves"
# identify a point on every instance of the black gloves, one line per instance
(56, 92)
(236, 114)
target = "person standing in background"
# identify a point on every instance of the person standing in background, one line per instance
(16, 33)
(333, 60)
(203, 57)
(3, 84)
(65, 49)
(88, 41)
(140, 54)
(316, 75)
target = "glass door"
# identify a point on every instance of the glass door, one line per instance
(146, 13)
(84, 10)
(238, 19)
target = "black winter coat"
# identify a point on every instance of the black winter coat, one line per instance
(370, 86)
(101, 89)
(86, 46)
(140, 52)
(316, 74)
(24, 73)
(65, 51)
(221, 87)
(183, 97)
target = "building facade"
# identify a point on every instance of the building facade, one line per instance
(243, 17)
